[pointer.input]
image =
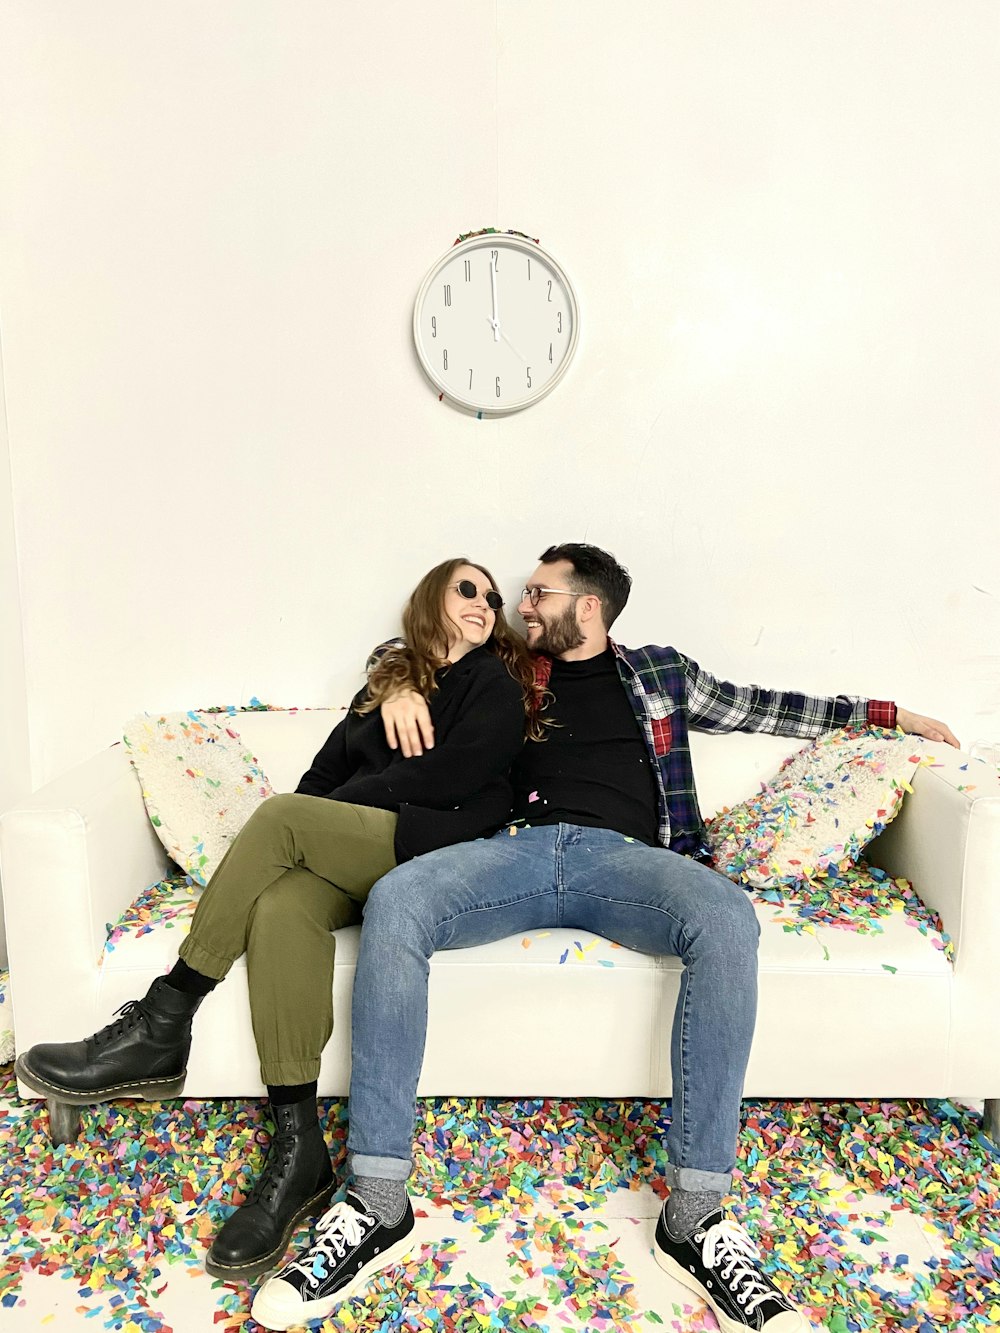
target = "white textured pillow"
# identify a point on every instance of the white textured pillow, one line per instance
(199, 782)
(820, 809)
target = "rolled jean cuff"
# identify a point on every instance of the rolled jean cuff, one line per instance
(384, 1168)
(689, 1178)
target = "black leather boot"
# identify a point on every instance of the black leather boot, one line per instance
(297, 1180)
(141, 1054)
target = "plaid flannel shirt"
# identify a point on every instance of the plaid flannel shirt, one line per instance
(670, 694)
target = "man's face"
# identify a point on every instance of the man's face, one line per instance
(551, 626)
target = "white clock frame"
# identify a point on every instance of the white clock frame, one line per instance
(488, 366)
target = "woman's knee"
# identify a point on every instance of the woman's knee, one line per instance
(269, 915)
(276, 812)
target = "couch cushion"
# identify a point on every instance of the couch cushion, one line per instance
(827, 929)
(286, 740)
(527, 1004)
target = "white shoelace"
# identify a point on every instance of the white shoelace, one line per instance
(728, 1248)
(339, 1227)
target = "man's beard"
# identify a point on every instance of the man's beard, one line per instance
(559, 636)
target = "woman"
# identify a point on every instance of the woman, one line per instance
(302, 868)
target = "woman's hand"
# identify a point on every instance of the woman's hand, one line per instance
(407, 722)
(918, 725)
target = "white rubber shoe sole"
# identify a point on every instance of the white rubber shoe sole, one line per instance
(789, 1321)
(279, 1306)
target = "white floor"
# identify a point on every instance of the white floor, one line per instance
(562, 1246)
(188, 1300)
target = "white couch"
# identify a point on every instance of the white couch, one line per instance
(841, 1014)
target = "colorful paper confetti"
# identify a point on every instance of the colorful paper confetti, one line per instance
(136, 1200)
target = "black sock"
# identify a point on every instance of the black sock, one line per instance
(287, 1094)
(186, 979)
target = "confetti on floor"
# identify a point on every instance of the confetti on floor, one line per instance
(541, 1213)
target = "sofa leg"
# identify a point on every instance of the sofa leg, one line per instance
(64, 1122)
(991, 1118)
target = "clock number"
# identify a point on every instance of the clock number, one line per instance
(550, 289)
(550, 351)
(529, 377)
(529, 268)
(498, 386)
(496, 260)
(447, 293)
(446, 358)
(468, 270)
(434, 326)
(558, 321)
(470, 377)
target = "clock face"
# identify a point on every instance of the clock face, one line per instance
(495, 324)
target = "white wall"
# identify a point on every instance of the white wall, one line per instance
(780, 219)
(15, 768)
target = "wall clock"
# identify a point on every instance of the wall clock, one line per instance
(495, 323)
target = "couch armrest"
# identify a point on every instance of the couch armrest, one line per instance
(946, 841)
(72, 857)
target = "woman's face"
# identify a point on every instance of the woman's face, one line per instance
(470, 621)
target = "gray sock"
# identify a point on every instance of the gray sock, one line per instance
(384, 1199)
(686, 1208)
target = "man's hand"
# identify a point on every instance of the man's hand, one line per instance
(407, 722)
(917, 725)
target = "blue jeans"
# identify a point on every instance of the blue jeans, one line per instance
(645, 898)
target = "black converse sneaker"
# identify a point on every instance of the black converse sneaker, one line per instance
(722, 1264)
(351, 1246)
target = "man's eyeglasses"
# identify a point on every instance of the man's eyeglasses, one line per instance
(467, 589)
(534, 594)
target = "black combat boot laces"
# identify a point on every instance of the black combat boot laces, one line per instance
(276, 1168)
(132, 1014)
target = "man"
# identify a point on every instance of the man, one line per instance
(608, 839)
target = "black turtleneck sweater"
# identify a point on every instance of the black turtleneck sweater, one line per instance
(593, 767)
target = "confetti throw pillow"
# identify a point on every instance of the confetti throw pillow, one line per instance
(199, 782)
(821, 808)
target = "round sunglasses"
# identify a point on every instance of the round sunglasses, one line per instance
(467, 589)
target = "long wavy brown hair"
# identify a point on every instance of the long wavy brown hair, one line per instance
(426, 632)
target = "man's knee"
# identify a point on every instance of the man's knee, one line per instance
(392, 898)
(731, 910)
(403, 905)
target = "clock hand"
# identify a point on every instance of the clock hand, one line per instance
(495, 321)
(513, 348)
(498, 334)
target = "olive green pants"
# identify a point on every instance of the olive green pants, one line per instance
(300, 868)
